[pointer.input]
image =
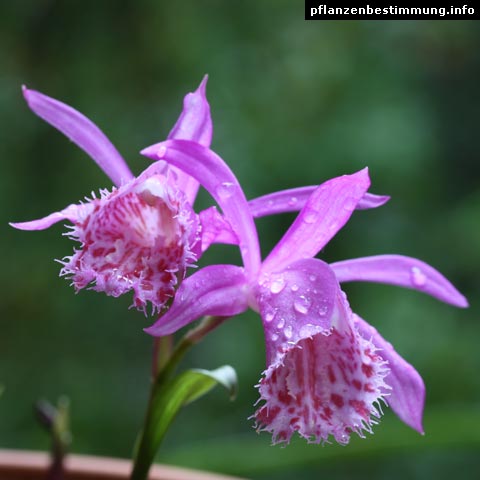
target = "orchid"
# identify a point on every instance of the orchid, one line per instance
(327, 369)
(143, 234)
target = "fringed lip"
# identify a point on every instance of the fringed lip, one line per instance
(328, 385)
(134, 238)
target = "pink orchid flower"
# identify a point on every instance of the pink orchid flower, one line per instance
(327, 369)
(143, 234)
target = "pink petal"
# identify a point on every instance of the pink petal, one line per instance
(72, 213)
(371, 200)
(212, 172)
(215, 229)
(80, 130)
(195, 124)
(296, 303)
(294, 199)
(402, 271)
(407, 397)
(218, 230)
(325, 213)
(218, 290)
(323, 381)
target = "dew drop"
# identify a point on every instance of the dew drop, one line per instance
(281, 323)
(161, 152)
(312, 278)
(350, 204)
(288, 332)
(310, 217)
(307, 330)
(274, 337)
(225, 190)
(333, 225)
(302, 304)
(322, 310)
(269, 316)
(277, 285)
(294, 287)
(292, 201)
(417, 277)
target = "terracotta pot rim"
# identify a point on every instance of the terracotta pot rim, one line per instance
(23, 462)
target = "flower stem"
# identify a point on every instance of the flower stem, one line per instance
(164, 366)
(162, 351)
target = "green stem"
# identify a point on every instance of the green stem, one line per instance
(164, 369)
(162, 351)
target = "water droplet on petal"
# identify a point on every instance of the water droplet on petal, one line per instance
(350, 204)
(333, 225)
(281, 323)
(322, 310)
(274, 337)
(310, 217)
(225, 190)
(302, 304)
(312, 278)
(277, 285)
(161, 152)
(307, 330)
(292, 201)
(294, 287)
(270, 315)
(288, 332)
(417, 277)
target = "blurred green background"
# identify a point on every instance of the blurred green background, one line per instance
(293, 103)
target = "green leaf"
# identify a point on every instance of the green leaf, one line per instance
(225, 376)
(166, 402)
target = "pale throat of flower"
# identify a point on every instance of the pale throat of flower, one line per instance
(161, 220)
(138, 237)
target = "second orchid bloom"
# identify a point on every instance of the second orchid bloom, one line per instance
(328, 371)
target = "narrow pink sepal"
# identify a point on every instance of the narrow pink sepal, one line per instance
(212, 172)
(194, 124)
(294, 199)
(325, 213)
(82, 131)
(402, 271)
(71, 213)
(214, 290)
(215, 229)
(407, 394)
(370, 200)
